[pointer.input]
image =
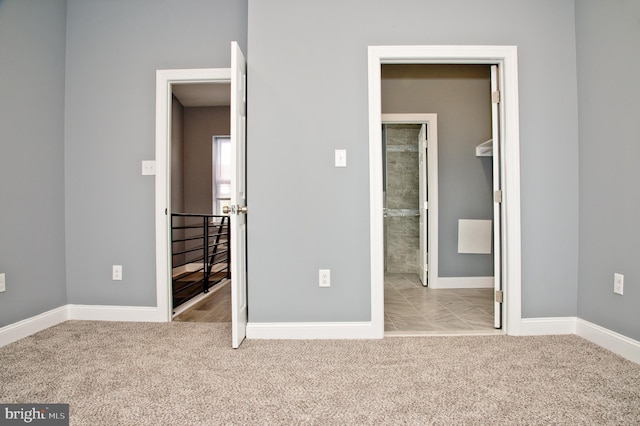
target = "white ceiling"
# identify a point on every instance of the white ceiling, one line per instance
(203, 94)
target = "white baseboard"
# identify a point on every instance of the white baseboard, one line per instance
(617, 343)
(462, 282)
(311, 330)
(29, 326)
(114, 313)
(547, 326)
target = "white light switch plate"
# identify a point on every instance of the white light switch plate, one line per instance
(341, 158)
(2, 283)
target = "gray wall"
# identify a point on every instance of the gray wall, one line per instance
(200, 125)
(461, 96)
(308, 96)
(608, 39)
(32, 48)
(113, 51)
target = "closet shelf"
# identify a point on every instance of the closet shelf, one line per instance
(485, 149)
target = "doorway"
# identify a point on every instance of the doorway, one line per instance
(505, 57)
(200, 180)
(236, 77)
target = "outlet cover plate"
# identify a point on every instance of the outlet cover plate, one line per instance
(116, 273)
(324, 278)
(148, 168)
(618, 284)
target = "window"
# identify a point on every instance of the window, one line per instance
(221, 173)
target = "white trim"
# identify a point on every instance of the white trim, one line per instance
(27, 327)
(311, 330)
(462, 282)
(164, 80)
(432, 182)
(506, 57)
(115, 313)
(547, 326)
(448, 333)
(615, 342)
(610, 340)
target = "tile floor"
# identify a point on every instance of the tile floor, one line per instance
(410, 307)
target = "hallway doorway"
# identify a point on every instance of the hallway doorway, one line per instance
(505, 59)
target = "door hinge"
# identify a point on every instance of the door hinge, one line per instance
(166, 211)
(497, 196)
(426, 205)
(499, 296)
(495, 97)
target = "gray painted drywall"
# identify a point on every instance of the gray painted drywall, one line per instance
(608, 39)
(461, 96)
(308, 96)
(200, 125)
(32, 49)
(113, 51)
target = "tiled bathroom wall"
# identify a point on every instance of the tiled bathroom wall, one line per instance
(401, 198)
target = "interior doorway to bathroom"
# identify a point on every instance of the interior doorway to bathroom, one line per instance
(410, 194)
(439, 274)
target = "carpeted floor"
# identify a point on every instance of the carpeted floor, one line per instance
(187, 374)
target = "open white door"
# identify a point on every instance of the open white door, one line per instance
(497, 200)
(238, 208)
(423, 206)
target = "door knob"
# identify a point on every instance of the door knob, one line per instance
(234, 210)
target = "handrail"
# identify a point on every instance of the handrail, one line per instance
(201, 240)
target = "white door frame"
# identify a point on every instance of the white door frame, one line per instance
(507, 59)
(165, 79)
(432, 181)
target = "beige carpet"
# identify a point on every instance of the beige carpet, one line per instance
(187, 374)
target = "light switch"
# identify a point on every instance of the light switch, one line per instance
(341, 158)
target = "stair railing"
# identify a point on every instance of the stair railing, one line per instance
(199, 245)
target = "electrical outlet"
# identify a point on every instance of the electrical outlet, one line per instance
(341, 158)
(3, 286)
(116, 273)
(618, 283)
(324, 278)
(148, 168)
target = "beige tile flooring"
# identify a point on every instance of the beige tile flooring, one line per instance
(411, 308)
